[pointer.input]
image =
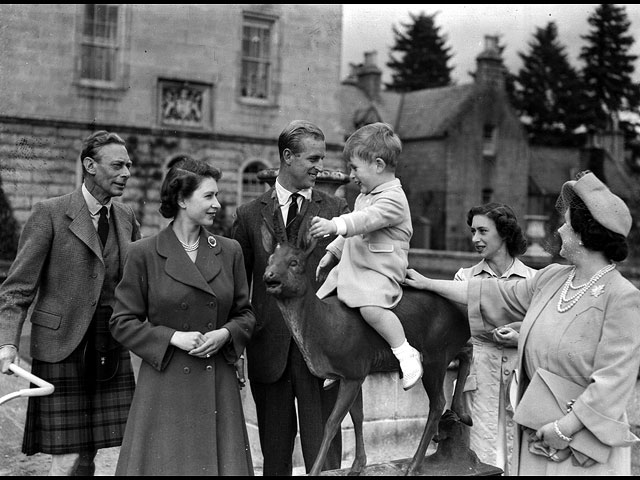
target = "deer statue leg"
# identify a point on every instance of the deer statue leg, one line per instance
(347, 394)
(458, 404)
(357, 417)
(432, 380)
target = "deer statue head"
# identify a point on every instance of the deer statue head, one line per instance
(285, 276)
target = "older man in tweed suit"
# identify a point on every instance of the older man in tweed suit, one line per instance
(69, 261)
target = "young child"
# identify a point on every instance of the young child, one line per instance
(372, 247)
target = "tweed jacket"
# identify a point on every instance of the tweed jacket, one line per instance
(595, 344)
(59, 266)
(374, 253)
(253, 227)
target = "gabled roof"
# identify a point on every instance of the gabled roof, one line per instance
(355, 105)
(419, 114)
(429, 112)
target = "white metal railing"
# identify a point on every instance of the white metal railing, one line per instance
(44, 387)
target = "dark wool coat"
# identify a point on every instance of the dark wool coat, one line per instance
(186, 417)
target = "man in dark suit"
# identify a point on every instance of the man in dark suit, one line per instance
(278, 375)
(70, 257)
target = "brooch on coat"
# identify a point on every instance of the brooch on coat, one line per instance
(211, 241)
(597, 290)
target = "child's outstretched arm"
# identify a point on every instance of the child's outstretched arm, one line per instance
(322, 227)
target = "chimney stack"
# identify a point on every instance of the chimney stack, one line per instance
(490, 69)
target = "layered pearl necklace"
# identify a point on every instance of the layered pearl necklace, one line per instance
(581, 290)
(190, 248)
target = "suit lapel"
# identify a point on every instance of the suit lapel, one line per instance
(123, 229)
(269, 205)
(549, 292)
(81, 223)
(178, 264)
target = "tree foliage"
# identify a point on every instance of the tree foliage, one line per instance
(548, 91)
(608, 69)
(9, 229)
(424, 63)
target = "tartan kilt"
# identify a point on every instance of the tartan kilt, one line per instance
(73, 419)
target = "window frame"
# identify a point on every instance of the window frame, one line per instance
(265, 22)
(118, 46)
(242, 171)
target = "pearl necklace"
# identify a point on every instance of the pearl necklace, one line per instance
(571, 301)
(190, 248)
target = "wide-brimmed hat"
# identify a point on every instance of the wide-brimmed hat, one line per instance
(607, 209)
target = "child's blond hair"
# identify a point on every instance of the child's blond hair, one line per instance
(376, 140)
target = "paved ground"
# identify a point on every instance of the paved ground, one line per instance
(15, 463)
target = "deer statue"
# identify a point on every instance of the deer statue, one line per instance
(337, 343)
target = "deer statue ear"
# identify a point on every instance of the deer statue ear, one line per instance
(306, 241)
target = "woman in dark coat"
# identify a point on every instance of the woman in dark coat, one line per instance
(183, 307)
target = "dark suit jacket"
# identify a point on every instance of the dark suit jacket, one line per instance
(59, 264)
(253, 227)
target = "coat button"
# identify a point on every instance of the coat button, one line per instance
(184, 306)
(185, 326)
(507, 371)
(212, 304)
(210, 326)
(94, 275)
(93, 302)
(504, 359)
(186, 370)
(208, 368)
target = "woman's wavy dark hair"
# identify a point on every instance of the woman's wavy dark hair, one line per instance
(183, 178)
(506, 223)
(594, 236)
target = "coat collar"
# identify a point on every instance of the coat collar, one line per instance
(517, 269)
(82, 225)
(180, 267)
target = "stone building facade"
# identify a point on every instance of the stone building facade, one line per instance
(216, 82)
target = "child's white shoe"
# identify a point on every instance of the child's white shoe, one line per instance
(410, 364)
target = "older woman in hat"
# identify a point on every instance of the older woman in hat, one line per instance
(581, 326)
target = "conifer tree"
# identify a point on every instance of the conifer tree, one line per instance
(8, 229)
(548, 92)
(424, 63)
(608, 68)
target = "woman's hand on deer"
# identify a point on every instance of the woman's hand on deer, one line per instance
(322, 227)
(324, 267)
(416, 280)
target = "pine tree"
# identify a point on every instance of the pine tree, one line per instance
(609, 68)
(425, 60)
(9, 230)
(548, 92)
